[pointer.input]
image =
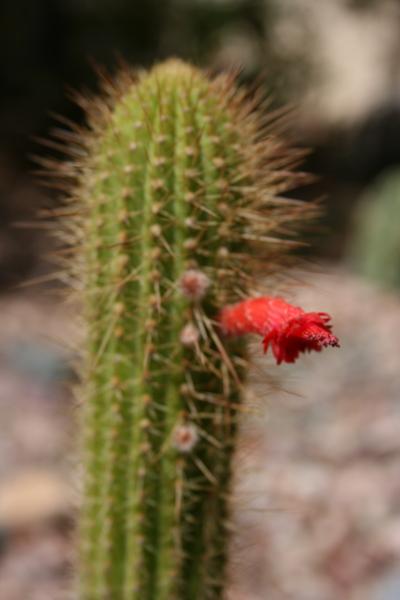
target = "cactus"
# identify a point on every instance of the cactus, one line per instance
(374, 249)
(177, 209)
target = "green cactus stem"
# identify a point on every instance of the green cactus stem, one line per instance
(177, 209)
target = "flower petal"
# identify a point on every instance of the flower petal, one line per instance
(286, 328)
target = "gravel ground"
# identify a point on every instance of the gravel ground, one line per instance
(317, 502)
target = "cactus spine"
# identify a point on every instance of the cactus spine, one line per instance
(178, 208)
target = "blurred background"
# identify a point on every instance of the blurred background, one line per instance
(318, 473)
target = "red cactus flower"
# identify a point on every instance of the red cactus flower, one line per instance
(288, 329)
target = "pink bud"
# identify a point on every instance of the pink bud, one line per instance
(185, 437)
(194, 284)
(189, 335)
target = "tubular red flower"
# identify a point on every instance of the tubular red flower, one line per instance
(287, 328)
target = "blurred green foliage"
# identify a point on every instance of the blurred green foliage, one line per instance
(375, 246)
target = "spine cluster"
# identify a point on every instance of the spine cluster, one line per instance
(177, 210)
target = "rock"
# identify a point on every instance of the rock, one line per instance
(32, 498)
